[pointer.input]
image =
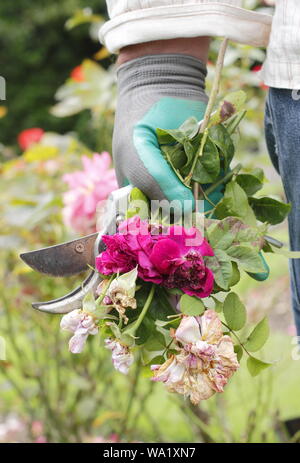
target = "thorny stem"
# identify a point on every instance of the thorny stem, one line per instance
(213, 95)
(215, 87)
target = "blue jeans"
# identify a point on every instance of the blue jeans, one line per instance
(282, 125)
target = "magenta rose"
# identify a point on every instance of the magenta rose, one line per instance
(128, 248)
(173, 258)
(179, 256)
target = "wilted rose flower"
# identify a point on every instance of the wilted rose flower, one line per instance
(182, 263)
(87, 190)
(121, 292)
(28, 137)
(206, 359)
(174, 259)
(81, 324)
(122, 358)
(182, 374)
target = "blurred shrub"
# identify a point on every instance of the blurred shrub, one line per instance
(37, 53)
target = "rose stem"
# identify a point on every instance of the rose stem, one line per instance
(132, 329)
(124, 424)
(238, 339)
(211, 102)
(102, 295)
(216, 85)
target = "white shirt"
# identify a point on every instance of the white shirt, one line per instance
(282, 67)
(137, 21)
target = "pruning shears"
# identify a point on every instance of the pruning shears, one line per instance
(74, 257)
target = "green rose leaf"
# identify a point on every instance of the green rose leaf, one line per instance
(190, 127)
(235, 203)
(191, 305)
(208, 165)
(175, 155)
(236, 276)
(136, 194)
(239, 351)
(89, 303)
(250, 183)
(221, 266)
(270, 210)
(138, 204)
(219, 235)
(232, 230)
(255, 366)
(156, 342)
(218, 304)
(259, 336)
(220, 136)
(185, 132)
(234, 312)
(247, 258)
(155, 357)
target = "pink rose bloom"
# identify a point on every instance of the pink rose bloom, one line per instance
(174, 259)
(87, 190)
(206, 359)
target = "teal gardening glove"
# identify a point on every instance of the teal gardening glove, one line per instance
(156, 91)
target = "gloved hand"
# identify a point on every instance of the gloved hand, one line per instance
(155, 91)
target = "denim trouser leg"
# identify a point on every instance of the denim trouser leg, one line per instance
(282, 124)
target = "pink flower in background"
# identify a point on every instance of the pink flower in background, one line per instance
(174, 259)
(87, 189)
(28, 137)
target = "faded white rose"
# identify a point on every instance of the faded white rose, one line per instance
(82, 324)
(122, 358)
(121, 292)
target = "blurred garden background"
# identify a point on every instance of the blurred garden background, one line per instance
(59, 110)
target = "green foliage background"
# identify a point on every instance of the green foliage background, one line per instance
(37, 54)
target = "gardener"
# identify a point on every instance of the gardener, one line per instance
(163, 48)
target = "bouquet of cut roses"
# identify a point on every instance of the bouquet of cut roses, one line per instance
(166, 293)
